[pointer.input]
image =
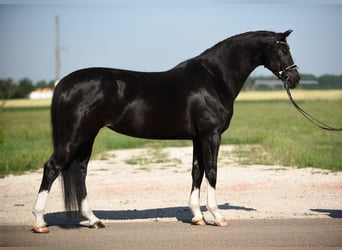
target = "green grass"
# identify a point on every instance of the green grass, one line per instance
(280, 135)
(25, 139)
(284, 137)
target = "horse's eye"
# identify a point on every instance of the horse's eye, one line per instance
(285, 50)
(285, 47)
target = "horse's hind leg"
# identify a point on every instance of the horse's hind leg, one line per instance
(74, 164)
(51, 172)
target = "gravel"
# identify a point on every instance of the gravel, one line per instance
(154, 185)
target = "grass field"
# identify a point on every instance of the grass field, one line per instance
(267, 131)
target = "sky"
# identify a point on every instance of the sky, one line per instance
(157, 35)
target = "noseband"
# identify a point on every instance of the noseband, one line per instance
(282, 74)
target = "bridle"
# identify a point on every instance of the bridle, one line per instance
(282, 75)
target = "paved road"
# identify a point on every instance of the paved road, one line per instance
(290, 232)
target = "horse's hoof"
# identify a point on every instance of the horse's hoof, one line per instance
(40, 230)
(199, 222)
(221, 223)
(97, 225)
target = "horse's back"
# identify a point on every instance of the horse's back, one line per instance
(156, 105)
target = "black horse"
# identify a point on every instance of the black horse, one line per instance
(193, 101)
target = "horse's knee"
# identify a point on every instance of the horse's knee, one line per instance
(211, 176)
(197, 176)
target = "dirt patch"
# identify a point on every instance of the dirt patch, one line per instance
(149, 184)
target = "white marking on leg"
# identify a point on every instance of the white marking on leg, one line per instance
(39, 208)
(212, 204)
(87, 212)
(194, 205)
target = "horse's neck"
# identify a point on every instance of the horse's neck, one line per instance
(236, 63)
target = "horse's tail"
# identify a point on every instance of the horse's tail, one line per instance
(72, 185)
(54, 111)
(71, 172)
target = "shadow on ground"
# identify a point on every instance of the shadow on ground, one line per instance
(73, 219)
(332, 213)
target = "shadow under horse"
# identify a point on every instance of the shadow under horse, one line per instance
(73, 219)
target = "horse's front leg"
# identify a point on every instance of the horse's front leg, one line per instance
(197, 176)
(210, 148)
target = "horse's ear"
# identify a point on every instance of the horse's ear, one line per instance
(287, 33)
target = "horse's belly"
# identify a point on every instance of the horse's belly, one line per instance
(139, 120)
(155, 131)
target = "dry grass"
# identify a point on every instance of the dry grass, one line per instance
(16, 103)
(299, 94)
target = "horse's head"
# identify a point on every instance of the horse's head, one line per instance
(280, 62)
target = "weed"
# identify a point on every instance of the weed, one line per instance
(153, 156)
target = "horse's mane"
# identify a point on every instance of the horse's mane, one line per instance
(231, 40)
(236, 38)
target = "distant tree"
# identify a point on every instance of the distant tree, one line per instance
(23, 89)
(330, 81)
(44, 84)
(310, 77)
(7, 88)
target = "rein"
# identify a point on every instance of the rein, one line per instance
(312, 119)
(284, 78)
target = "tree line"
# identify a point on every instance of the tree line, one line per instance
(10, 89)
(327, 81)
